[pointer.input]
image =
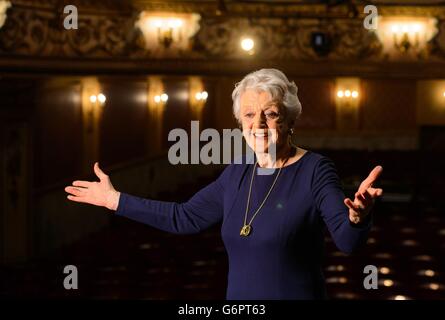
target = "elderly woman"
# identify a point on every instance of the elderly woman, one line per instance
(272, 224)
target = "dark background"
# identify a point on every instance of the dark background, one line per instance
(46, 142)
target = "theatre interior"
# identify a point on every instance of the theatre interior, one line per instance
(84, 81)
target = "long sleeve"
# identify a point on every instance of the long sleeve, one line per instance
(201, 211)
(328, 196)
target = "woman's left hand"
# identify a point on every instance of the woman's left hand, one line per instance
(364, 197)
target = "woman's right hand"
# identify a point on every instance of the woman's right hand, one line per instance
(100, 193)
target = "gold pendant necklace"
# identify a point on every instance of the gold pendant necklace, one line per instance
(247, 227)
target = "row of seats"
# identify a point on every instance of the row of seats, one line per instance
(132, 261)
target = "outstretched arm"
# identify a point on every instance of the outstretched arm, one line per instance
(347, 231)
(204, 209)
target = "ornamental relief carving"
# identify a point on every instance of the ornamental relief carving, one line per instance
(438, 43)
(38, 31)
(286, 38)
(43, 35)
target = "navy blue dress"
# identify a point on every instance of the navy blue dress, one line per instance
(282, 256)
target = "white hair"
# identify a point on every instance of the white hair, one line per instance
(276, 84)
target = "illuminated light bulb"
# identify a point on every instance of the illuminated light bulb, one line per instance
(409, 243)
(157, 99)
(247, 44)
(405, 29)
(347, 93)
(416, 28)
(444, 94)
(157, 23)
(400, 297)
(174, 23)
(340, 93)
(171, 23)
(336, 268)
(164, 97)
(388, 283)
(384, 270)
(102, 98)
(93, 99)
(337, 280)
(340, 268)
(354, 94)
(204, 95)
(427, 273)
(395, 28)
(198, 96)
(434, 286)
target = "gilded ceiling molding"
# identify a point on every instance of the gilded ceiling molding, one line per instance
(436, 11)
(89, 5)
(107, 31)
(286, 39)
(437, 46)
(208, 8)
(99, 35)
(262, 10)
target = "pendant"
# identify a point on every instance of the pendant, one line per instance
(245, 230)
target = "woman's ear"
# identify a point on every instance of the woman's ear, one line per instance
(291, 124)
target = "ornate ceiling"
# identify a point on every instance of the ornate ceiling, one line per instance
(107, 34)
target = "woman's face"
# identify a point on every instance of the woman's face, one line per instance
(263, 121)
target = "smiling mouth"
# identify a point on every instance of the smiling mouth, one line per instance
(260, 135)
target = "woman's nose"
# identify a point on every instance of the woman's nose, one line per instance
(259, 121)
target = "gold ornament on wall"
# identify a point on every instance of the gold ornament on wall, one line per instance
(93, 101)
(168, 31)
(156, 103)
(197, 97)
(406, 37)
(347, 102)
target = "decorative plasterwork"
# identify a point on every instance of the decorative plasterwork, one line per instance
(107, 31)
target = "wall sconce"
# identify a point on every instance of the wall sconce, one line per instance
(197, 97)
(92, 102)
(347, 102)
(156, 103)
(95, 100)
(4, 5)
(347, 94)
(168, 30)
(406, 36)
(403, 35)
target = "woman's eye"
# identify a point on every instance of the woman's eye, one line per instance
(249, 115)
(272, 115)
